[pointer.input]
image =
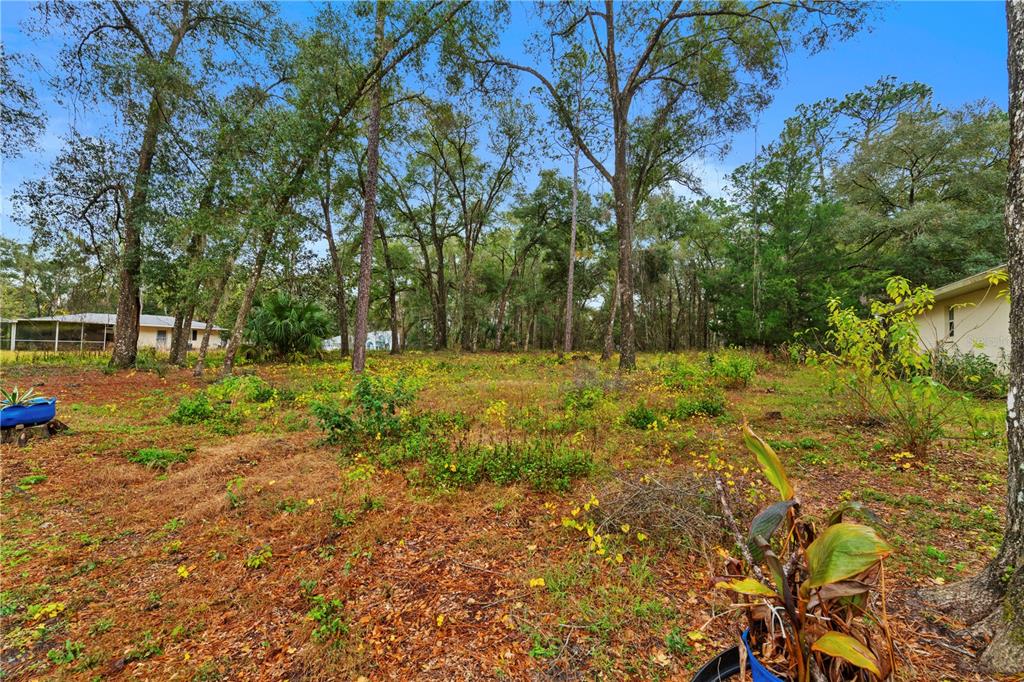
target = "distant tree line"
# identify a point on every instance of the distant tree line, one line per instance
(380, 162)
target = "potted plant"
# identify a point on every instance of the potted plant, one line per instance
(19, 407)
(814, 594)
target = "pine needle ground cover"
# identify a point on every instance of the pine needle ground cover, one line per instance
(487, 516)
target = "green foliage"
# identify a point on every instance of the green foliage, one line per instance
(193, 409)
(834, 572)
(683, 375)
(287, 325)
(259, 558)
(16, 396)
(373, 410)
(640, 416)
(31, 480)
(877, 363)
(146, 646)
(329, 616)
(67, 653)
(708, 403)
(731, 369)
(234, 492)
(541, 463)
(157, 458)
(972, 373)
(581, 398)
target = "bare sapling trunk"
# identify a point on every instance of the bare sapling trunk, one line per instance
(567, 342)
(392, 291)
(211, 315)
(369, 209)
(235, 342)
(993, 601)
(609, 332)
(339, 272)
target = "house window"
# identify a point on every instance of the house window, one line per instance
(952, 323)
(161, 338)
(195, 333)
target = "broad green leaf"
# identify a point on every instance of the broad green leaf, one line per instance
(853, 505)
(847, 648)
(842, 551)
(749, 586)
(769, 461)
(765, 524)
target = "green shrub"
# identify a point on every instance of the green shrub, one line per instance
(640, 416)
(245, 387)
(709, 403)
(328, 614)
(581, 398)
(193, 409)
(373, 410)
(147, 361)
(157, 458)
(682, 376)
(732, 370)
(972, 373)
(541, 463)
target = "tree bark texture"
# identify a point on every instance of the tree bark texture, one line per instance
(369, 209)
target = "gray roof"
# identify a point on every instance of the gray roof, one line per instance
(968, 284)
(161, 321)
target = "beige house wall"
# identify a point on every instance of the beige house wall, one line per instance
(148, 338)
(981, 323)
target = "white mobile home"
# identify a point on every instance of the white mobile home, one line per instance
(93, 331)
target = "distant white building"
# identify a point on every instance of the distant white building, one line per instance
(376, 340)
(971, 315)
(93, 331)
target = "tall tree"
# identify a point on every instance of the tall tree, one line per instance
(369, 204)
(145, 59)
(994, 599)
(701, 70)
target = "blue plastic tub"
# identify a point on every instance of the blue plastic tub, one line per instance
(757, 671)
(39, 411)
(726, 666)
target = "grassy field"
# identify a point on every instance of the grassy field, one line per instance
(516, 517)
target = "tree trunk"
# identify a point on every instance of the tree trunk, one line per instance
(211, 315)
(567, 341)
(995, 597)
(441, 304)
(126, 326)
(247, 298)
(392, 291)
(609, 333)
(468, 317)
(369, 207)
(339, 273)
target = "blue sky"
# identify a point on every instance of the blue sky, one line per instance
(958, 48)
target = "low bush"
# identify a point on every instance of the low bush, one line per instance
(972, 373)
(708, 403)
(682, 375)
(193, 409)
(581, 398)
(373, 410)
(640, 416)
(541, 463)
(732, 370)
(157, 458)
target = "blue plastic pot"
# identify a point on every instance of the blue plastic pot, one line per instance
(726, 665)
(758, 671)
(39, 411)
